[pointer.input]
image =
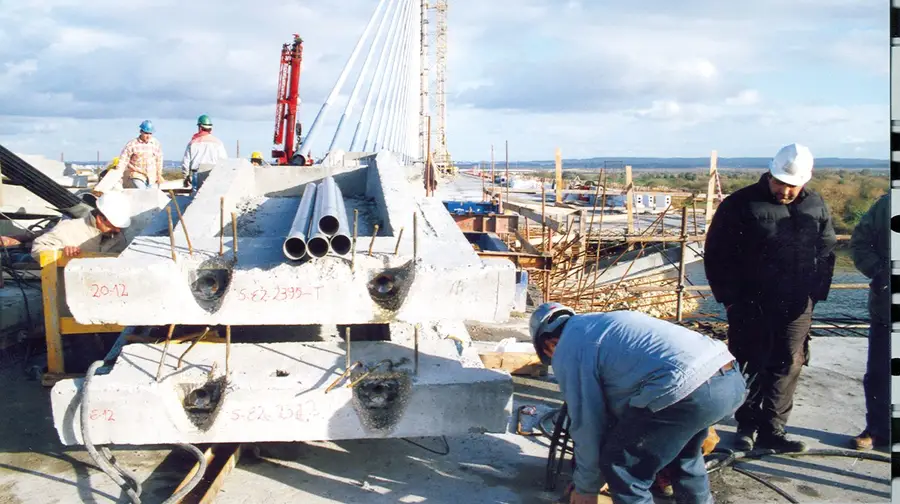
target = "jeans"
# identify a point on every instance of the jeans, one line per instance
(643, 442)
(877, 381)
(771, 347)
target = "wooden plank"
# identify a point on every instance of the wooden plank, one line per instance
(494, 223)
(559, 177)
(707, 288)
(50, 379)
(63, 261)
(68, 325)
(528, 213)
(629, 199)
(221, 459)
(663, 239)
(523, 261)
(528, 246)
(711, 187)
(516, 363)
(50, 298)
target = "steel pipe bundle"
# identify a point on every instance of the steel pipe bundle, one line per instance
(41, 185)
(320, 224)
(295, 246)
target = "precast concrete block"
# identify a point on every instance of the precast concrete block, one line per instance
(279, 392)
(433, 274)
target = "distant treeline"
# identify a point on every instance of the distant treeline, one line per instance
(682, 163)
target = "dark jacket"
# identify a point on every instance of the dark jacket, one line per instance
(870, 247)
(762, 251)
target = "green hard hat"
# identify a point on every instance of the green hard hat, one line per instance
(204, 120)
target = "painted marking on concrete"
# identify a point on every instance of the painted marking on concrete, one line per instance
(263, 295)
(103, 290)
(278, 413)
(106, 415)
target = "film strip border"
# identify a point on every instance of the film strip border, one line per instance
(895, 249)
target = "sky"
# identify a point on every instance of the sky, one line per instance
(649, 78)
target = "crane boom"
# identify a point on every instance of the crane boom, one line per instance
(287, 129)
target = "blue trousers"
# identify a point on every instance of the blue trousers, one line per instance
(643, 442)
(877, 381)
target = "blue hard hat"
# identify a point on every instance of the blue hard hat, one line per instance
(147, 126)
(546, 319)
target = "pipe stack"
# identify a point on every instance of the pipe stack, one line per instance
(320, 224)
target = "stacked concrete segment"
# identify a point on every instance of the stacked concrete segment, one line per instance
(278, 391)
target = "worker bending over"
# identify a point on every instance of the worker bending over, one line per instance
(641, 393)
(142, 160)
(101, 231)
(871, 251)
(202, 153)
(769, 259)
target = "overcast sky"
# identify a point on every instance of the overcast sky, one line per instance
(644, 78)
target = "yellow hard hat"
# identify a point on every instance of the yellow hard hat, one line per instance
(256, 155)
(114, 163)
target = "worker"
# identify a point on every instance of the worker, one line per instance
(143, 160)
(256, 159)
(100, 231)
(111, 166)
(870, 249)
(202, 153)
(769, 259)
(641, 394)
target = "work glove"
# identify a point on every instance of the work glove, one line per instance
(187, 182)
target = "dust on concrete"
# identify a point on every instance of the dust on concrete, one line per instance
(247, 224)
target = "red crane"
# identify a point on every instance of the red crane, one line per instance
(286, 106)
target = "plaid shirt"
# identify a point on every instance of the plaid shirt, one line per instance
(142, 160)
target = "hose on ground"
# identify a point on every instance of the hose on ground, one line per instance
(124, 478)
(195, 480)
(722, 458)
(131, 486)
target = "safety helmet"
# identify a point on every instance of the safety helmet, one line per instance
(116, 207)
(204, 121)
(547, 318)
(256, 155)
(147, 127)
(792, 165)
(114, 163)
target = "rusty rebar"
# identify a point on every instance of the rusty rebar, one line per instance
(221, 226)
(367, 373)
(192, 345)
(343, 375)
(187, 238)
(372, 241)
(415, 236)
(234, 235)
(355, 227)
(165, 348)
(397, 246)
(416, 350)
(227, 352)
(171, 233)
(347, 340)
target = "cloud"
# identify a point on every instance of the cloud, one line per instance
(594, 77)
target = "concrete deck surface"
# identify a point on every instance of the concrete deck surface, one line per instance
(504, 468)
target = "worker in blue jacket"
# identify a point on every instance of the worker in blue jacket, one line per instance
(641, 393)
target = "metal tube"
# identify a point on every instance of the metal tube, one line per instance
(317, 245)
(294, 246)
(327, 221)
(340, 241)
(305, 146)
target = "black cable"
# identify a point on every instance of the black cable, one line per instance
(19, 282)
(443, 438)
(765, 482)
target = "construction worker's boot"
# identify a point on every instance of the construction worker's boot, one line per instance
(743, 440)
(866, 441)
(779, 442)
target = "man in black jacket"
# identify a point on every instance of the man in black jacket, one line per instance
(769, 259)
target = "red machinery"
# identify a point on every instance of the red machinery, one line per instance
(286, 105)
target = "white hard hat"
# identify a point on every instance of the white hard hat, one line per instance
(546, 319)
(116, 207)
(792, 165)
